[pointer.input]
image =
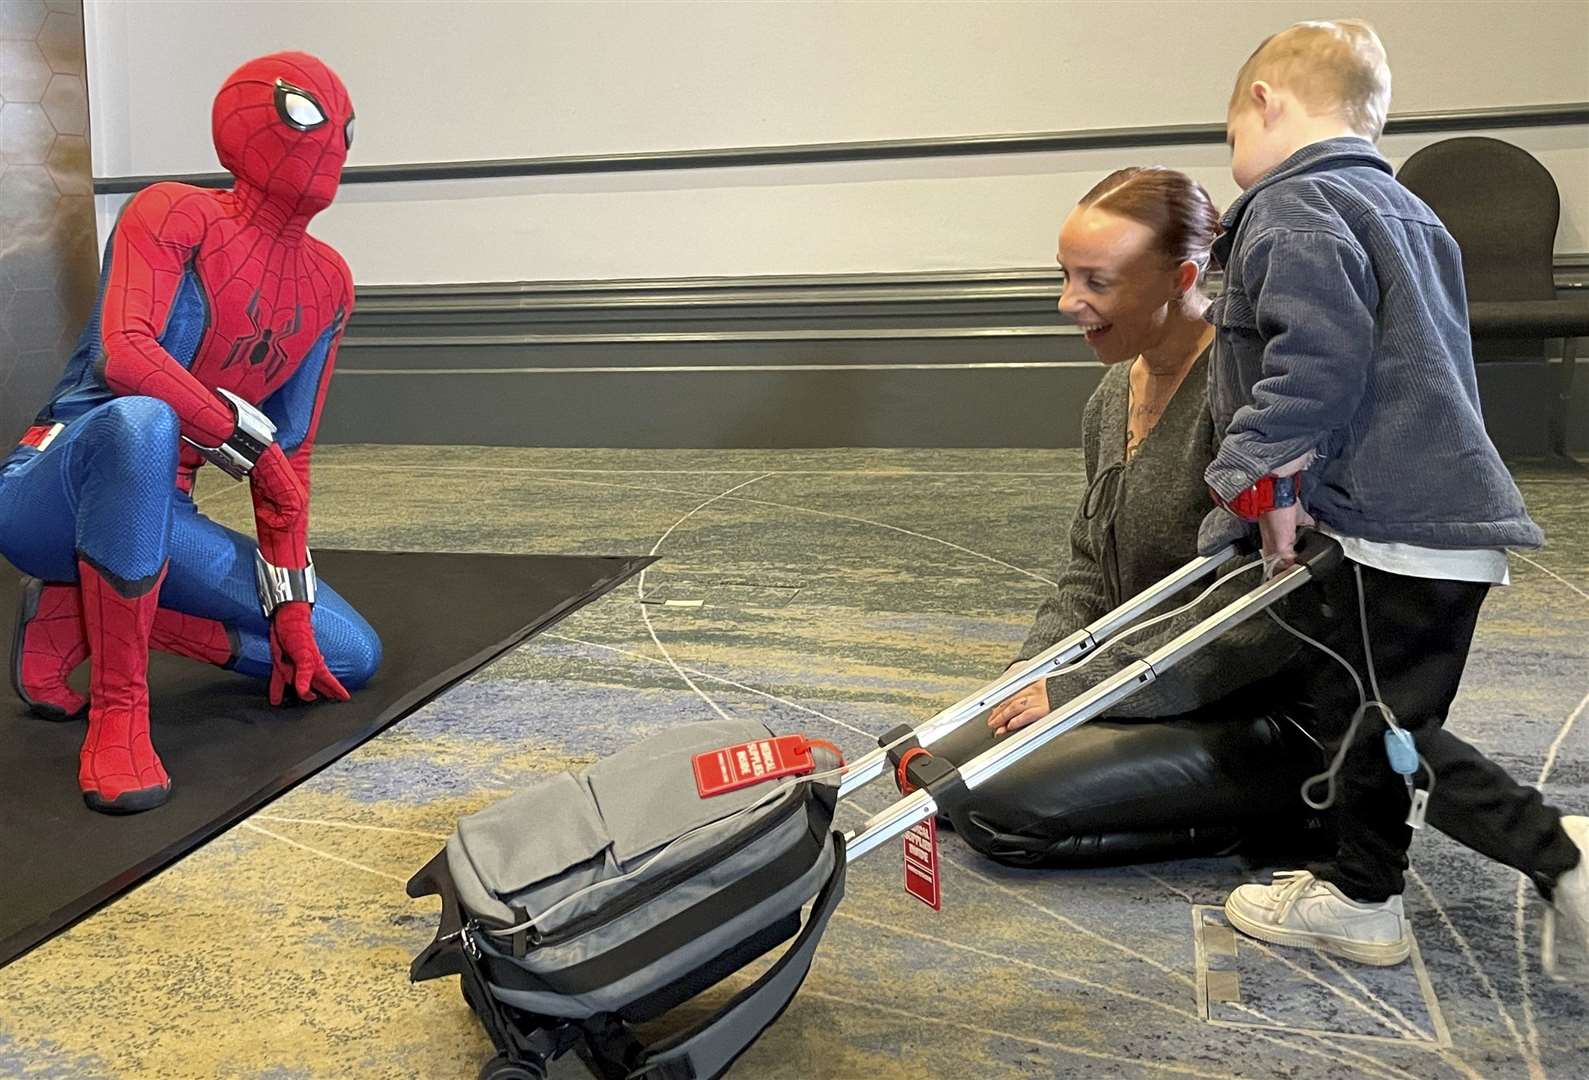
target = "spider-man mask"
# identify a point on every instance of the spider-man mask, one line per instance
(283, 124)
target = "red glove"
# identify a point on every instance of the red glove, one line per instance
(295, 657)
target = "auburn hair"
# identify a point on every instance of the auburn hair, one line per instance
(1175, 207)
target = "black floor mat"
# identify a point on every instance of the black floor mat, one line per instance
(441, 617)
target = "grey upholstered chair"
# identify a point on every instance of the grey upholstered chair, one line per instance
(1502, 206)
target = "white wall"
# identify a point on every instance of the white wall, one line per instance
(468, 80)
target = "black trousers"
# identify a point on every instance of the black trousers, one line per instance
(1420, 631)
(1225, 779)
(1218, 781)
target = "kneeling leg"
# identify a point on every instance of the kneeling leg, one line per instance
(1118, 792)
(211, 604)
(94, 509)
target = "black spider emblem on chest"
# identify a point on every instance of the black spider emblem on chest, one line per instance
(263, 344)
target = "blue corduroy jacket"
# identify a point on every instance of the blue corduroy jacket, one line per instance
(1342, 329)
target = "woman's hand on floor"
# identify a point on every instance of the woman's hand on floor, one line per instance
(1021, 708)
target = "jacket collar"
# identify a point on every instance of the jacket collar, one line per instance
(1314, 157)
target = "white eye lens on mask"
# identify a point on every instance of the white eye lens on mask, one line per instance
(347, 133)
(298, 108)
(301, 111)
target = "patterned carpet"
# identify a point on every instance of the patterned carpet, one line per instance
(842, 592)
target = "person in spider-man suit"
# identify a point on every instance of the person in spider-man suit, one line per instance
(213, 339)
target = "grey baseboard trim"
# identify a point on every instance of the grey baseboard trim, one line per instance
(718, 369)
(755, 407)
(956, 405)
(1572, 270)
(1445, 121)
(969, 358)
(792, 314)
(780, 319)
(622, 294)
(678, 337)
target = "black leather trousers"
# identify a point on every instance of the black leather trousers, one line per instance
(1222, 780)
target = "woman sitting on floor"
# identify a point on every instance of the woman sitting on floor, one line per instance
(1200, 761)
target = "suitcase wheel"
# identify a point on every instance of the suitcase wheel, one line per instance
(501, 1068)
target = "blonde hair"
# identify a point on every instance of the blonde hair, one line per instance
(1331, 67)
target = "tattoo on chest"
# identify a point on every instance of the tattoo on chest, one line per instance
(1141, 419)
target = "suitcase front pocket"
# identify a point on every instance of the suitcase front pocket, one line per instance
(533, 836)
(647, 796)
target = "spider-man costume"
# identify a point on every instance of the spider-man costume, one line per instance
(210, 303)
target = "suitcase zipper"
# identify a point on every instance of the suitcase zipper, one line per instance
(598, 919)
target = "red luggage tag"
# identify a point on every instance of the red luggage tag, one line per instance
(734, 767)
(921, 863)
(921, 845)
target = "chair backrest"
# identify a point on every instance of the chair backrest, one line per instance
(1502, 206)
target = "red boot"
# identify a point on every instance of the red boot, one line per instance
(47, 647)
(118, 769)
(50, 643)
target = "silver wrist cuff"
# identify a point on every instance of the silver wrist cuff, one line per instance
(251, 436)
(278, 585)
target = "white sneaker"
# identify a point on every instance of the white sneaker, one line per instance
(1570, 898)
(1299, 909)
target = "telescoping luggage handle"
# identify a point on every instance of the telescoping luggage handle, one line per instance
(1317, 554)
(1079, 644)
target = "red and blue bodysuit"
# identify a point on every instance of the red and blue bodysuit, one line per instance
(218, 317)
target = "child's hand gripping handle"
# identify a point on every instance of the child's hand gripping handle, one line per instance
(1318, 552)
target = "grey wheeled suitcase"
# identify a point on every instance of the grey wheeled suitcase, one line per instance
(590, 902)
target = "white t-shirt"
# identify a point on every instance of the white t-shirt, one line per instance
(1487, 565)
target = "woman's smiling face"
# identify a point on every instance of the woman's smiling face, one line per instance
(1119, 288)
